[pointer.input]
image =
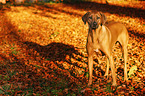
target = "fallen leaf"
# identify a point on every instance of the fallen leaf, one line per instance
(132, 70)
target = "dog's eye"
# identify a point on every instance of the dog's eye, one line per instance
(90, 17)
(98, 17)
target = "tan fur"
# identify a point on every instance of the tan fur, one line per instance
(102, 36)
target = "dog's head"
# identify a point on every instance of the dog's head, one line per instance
(94, 19)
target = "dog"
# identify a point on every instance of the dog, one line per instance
(101, 38)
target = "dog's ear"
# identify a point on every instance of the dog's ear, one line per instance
(85, 17)
(103, 19)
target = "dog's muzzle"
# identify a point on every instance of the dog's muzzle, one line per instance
(95, 25)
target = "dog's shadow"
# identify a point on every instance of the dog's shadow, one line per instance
(53, 51)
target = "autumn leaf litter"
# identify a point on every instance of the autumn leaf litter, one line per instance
(49, 42)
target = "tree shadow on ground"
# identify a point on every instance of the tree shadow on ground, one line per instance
(113, 9)
(94, 6)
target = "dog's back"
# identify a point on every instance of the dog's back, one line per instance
(117, 29)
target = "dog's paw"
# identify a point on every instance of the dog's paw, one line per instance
(106, 75)
(114, 84)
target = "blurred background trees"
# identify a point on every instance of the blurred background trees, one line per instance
(66, 1)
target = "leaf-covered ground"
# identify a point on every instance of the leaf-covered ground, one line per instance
(42, 51)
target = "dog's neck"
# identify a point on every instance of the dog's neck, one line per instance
(96, 36)
(93, 37)
(94, 33)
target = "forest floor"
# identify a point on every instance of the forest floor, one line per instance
(42, 50)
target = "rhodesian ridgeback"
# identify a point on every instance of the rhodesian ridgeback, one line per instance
(101, 38)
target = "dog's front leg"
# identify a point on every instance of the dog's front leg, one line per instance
(90, 61)
(90, 64)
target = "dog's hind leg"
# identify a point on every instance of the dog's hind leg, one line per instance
(107, 69)
(124, 41)
(124, 51)
(125, 61)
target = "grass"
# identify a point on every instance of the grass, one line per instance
(5, 89)
(15, 52)
(53, 35)
(108, 88)
(13, 49)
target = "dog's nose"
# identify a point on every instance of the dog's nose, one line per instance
(94, 23)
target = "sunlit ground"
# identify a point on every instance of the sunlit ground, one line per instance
(42, 50)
